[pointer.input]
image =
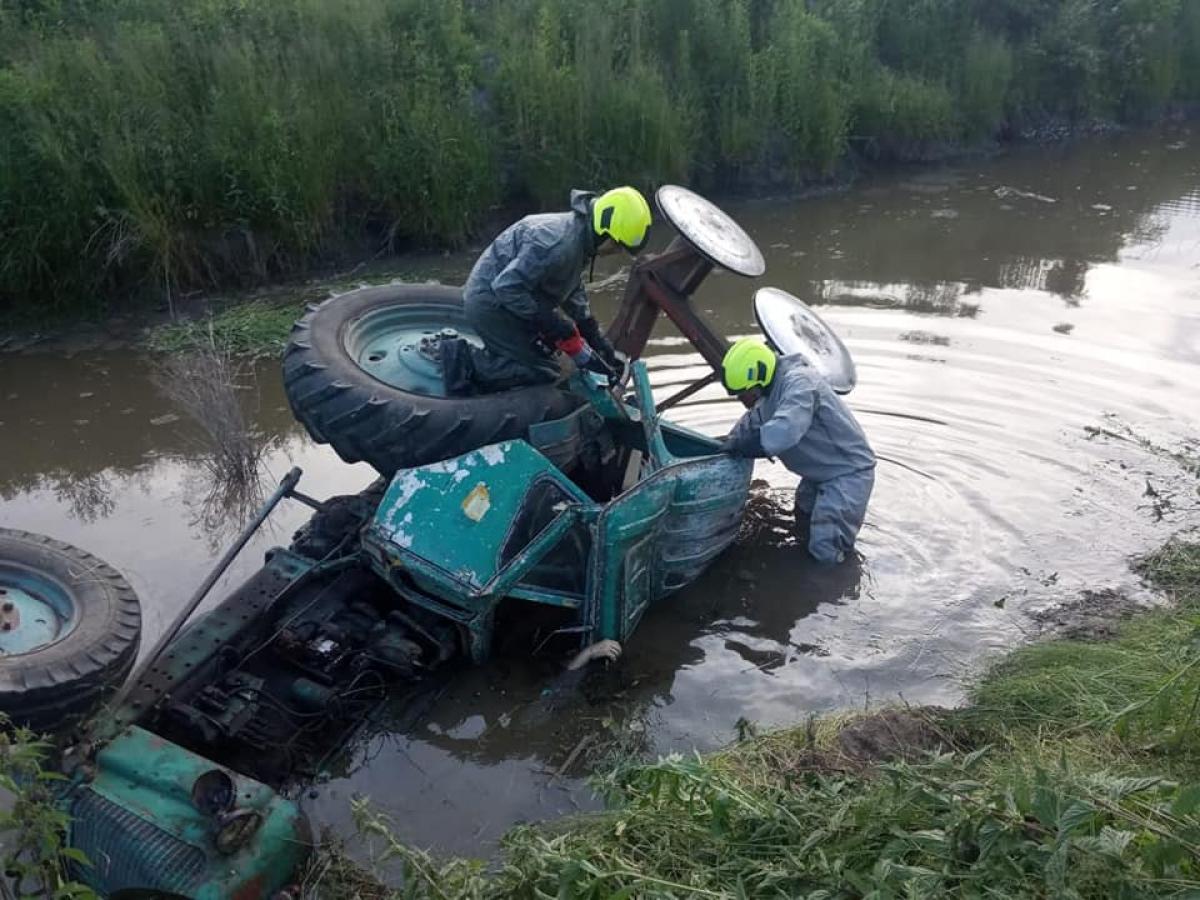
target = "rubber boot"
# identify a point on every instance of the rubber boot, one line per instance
(458, 367)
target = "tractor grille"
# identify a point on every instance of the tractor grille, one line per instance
(126, 851)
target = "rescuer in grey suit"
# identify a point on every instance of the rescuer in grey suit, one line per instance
(798, 418)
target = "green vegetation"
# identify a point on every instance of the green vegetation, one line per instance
(155, 147)
(31, 824)
(1141, 692)
(257, 323)
(256, 328)
(1075, 773)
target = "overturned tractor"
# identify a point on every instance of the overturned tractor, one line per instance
(577, 497)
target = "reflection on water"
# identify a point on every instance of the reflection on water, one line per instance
(941, 299)
(222, 505)
(996, 312)
(88, 497)
(209, 386)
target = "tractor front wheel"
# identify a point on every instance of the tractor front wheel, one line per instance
(69, 630)
(362, 374)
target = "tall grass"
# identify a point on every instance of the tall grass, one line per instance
(580, 100)
(984, 83)
(159, 147)
(234, 140)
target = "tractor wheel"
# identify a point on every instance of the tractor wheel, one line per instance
(361, 374)
(69, 630)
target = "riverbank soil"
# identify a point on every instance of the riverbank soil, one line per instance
(1075, 772)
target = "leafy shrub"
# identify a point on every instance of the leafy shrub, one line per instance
(33, 827)
(896, 111)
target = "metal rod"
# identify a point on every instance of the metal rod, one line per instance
(687, 392)
(285, 488)
(308, 501)
(571, 629)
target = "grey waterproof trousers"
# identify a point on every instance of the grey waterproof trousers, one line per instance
(830, 513)
(511, 356)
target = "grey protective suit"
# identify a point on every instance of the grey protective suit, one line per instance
(812, 431)
(532, 270)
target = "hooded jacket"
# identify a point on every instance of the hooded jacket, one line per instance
(805, 424)
(536, 265)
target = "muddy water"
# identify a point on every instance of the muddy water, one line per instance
(1022, 327)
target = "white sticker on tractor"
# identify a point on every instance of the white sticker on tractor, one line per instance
(477, 503)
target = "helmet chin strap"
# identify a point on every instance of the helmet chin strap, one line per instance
(601, 240)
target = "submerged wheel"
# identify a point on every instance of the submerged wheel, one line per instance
(69, 629)
(361, 374)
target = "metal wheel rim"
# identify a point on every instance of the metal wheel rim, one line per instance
(711, 231)
(794, 327)
(387, 344)
(36, 610)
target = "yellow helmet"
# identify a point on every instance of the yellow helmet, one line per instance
(749, 363)
(623, 215)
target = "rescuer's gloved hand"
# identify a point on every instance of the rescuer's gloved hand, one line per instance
(590, 329)
(600, 367)
(744, 445)
(575, 347)
(584, 357)
(554, 327)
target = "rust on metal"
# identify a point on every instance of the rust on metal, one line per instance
(251, 890)
(10, 616)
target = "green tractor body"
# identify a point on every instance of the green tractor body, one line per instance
(587, 506)
(181, 790)
(139, 824)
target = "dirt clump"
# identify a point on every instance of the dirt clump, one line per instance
(1092, 616)
(861, 743)
(893, 734)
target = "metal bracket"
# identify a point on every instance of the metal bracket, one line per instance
(694, 388)
(665, 282)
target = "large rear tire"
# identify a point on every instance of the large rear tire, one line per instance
(69, 630)
(338, 357)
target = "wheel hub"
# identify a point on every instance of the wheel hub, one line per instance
(711, 231)
(402, 346)
(794, 327)
(35, 611)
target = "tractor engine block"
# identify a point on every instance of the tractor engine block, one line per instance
(285, 697)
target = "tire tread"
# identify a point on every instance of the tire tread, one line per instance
(365, 420)
(68, 677)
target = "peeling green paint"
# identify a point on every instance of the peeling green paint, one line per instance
(447, 529)
(150, 825)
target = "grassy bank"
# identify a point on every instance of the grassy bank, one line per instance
(1075, 772)
(257, 328)
(257, 322)
(157, 147)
